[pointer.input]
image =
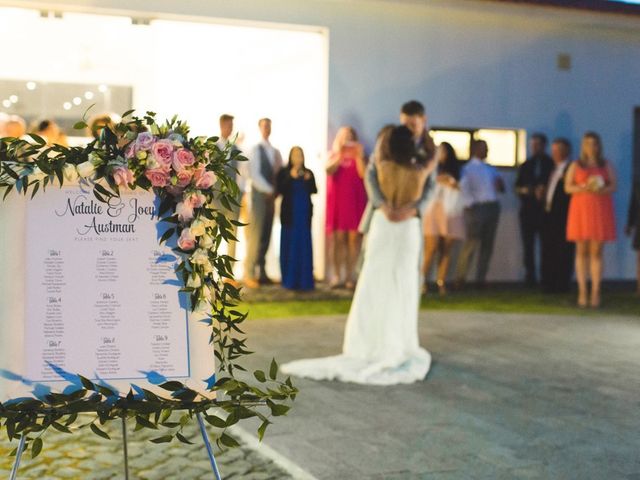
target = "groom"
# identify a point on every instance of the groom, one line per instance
(412, 116)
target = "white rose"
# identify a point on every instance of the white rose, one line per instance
(205, 242)
(207, 268)
(209, 223)
(152, 163)
(37, 174)
(70, 172)
(94, 159)
(200, 257)
(86, 169)
(197, 228)
(194, 281)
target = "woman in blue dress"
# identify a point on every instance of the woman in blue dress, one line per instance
(296, 184)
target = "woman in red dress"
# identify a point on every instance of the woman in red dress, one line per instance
(346, 201)
(590, 181)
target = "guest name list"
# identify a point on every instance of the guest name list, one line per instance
(97, 299)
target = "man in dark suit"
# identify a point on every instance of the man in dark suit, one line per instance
(531, 182)
(557, 253)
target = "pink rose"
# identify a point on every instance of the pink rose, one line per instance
(163, 152)
(130, 151)
(182, 158)
(184, 178)
(122, 176)
(204, 179)
(184, 211)
(195, 199)
(187, 240)
(157, 176)
(145, 141)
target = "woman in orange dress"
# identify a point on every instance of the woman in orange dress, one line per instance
(591, 182)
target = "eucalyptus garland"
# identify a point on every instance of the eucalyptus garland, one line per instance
(191, 177)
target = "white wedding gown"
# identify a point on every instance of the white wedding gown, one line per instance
(381, 336)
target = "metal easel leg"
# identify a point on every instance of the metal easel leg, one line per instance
(16, 462)
(125, 448)
(207, 444)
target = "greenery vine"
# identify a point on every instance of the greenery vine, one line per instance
(196, 194)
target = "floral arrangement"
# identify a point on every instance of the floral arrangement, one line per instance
(191, 178)
(595, 183)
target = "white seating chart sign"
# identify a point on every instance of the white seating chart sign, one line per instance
(89, 290)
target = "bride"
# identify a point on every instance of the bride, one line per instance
(381, 336)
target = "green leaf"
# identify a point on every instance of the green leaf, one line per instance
(80, 126)
(36, 447)
(183, 439)
(103, 191)
(172, 386)
(262, 429)
(86, 383)
(215, 421)
(162, 439)
(60, 427)
(277, 410)
(167, 235)
(100, 433)
(143, 422)
(260, 376)
(229, 441)
(273, 370)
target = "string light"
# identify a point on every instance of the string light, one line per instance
(31, 85)
(88, 95)
(77, 100)
(66, 105)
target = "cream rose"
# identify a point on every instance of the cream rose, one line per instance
(86, 169)
(70, 172)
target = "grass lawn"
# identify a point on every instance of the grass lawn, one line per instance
(509, 299)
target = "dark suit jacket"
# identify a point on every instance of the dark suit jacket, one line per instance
(532, 173)
(555, 219)
(284, 183)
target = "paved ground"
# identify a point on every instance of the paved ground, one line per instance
(85, 456)
(509, 396)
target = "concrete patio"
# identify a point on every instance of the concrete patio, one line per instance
(509, 396)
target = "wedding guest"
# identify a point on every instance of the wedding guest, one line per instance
(232, 170)
(99, 121)
(590, 181)
(346, 201)
(15, 127)
(557, 253)
(296, 184)
(479, 185)
(48, 130)
(3, 124)
(264, 163)
(443, 224)
(533, 176)
(633, 226)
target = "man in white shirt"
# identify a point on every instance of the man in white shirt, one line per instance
(557, 254)
(264, 163)
(479, 186)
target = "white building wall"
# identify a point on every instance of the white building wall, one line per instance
(473, 64)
